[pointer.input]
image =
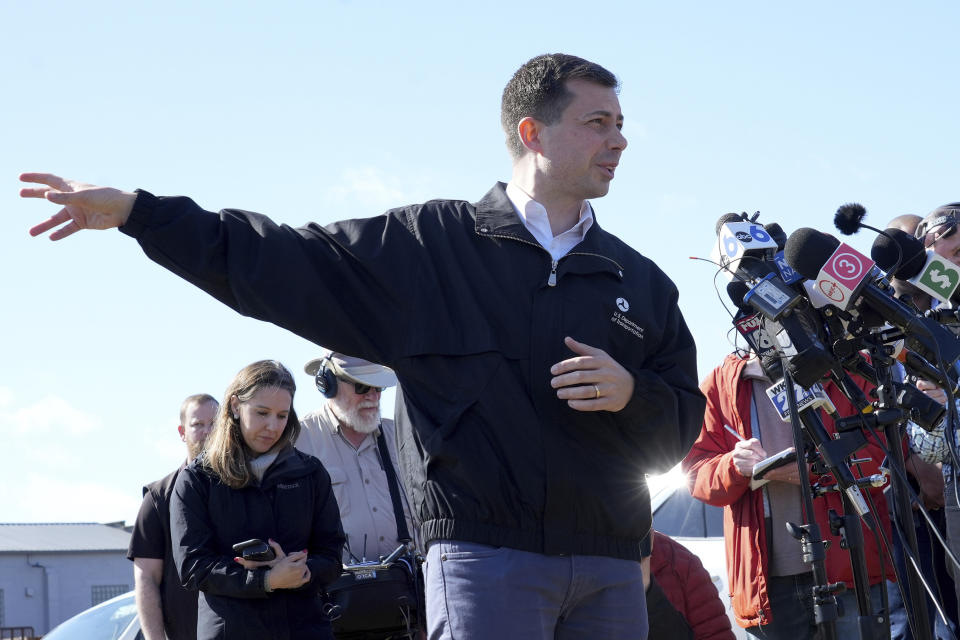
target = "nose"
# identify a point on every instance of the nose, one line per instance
(618, 141)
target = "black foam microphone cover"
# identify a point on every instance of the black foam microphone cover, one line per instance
(737, 290)
(725, 218)
(777, 234)
(807, 250)
(849, 217)
(887, 251)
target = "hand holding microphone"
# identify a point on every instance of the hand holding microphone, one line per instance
(932, 391)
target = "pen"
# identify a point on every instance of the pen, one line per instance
(736, 435)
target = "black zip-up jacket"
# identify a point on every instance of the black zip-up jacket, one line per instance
(294, 505)
(471, 313)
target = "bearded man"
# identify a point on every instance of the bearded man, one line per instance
(166, 609)
(343, 435)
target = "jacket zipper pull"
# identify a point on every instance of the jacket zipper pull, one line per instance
(552, 280)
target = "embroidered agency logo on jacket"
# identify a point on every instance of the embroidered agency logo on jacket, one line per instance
(620, 319)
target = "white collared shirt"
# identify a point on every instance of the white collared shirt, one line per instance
(535, 219)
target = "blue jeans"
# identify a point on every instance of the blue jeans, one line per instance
(476, 591)
(791, 606)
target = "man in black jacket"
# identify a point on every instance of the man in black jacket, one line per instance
(544, 365)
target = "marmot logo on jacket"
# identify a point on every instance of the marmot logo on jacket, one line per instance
(281, 485)
(621, 320)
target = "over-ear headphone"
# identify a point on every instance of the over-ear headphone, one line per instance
(326, 379)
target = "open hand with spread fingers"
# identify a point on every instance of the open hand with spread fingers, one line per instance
(592, 380)
(85, 206)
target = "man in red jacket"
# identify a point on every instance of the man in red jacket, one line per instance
(770, 584)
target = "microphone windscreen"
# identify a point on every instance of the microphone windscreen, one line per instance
(737, 290)
(725, 218)
(807, 250)
(771, 365)
(887, 251)
(777, 233)
(849, 217)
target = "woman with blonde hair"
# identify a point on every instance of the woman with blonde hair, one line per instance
(250, 483)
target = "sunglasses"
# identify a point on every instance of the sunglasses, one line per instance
(359, 387)
(939, 228)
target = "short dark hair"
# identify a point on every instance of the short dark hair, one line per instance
(538, 90)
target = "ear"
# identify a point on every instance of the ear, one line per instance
(529, 130)
(182, 433)
(234, 405)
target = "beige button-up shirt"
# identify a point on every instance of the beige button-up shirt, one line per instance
(359, 484)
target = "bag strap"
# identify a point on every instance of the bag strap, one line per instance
(403, 534)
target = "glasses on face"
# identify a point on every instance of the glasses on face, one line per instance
(939, 228)
(361, 388)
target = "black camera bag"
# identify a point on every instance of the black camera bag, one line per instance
(378, 601)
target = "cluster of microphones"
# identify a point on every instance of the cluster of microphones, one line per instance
(812, 303)
(811, 306)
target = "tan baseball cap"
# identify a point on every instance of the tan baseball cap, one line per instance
(353, 369)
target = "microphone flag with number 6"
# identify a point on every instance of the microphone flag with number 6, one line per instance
(742, 248)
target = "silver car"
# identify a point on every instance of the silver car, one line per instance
(114, 619)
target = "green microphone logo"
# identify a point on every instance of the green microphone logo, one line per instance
(939, 278)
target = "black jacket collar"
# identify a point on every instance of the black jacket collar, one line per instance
(496, 216)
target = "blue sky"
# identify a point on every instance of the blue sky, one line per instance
(318, 111)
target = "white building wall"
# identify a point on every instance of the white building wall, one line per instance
(41, 590)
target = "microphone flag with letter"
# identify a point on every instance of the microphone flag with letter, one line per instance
(787, 273)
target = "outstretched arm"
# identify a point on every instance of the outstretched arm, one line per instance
(249, 263)
(85, 206)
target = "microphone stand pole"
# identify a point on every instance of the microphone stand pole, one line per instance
(833, 455)
(886, 398)
(811, 541)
